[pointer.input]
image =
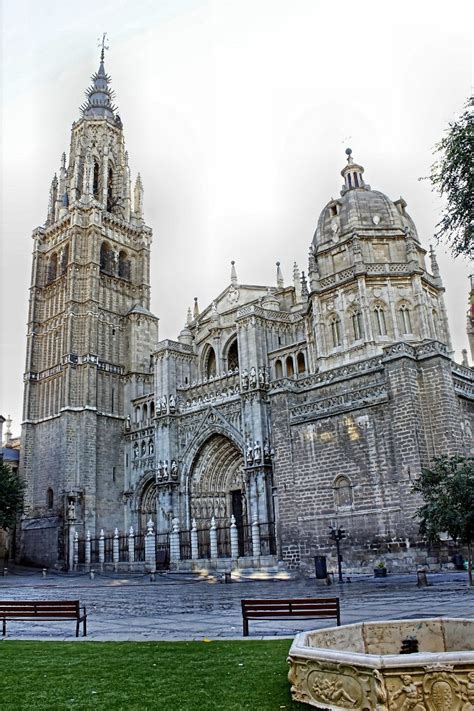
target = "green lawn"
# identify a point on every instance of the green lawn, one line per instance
(176, 676)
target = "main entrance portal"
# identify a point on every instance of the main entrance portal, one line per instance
(217, 484)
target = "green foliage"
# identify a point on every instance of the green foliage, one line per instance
(447, 489)
(452, 177)
(11, 496)
(142, 676)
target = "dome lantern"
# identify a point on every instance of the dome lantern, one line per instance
(352, 174)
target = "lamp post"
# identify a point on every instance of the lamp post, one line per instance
(337, 535)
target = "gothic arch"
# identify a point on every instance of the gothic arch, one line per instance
(216, 482)
(231, 353)
(209, 362)
(145, 500)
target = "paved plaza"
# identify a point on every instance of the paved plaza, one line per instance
(179, 606)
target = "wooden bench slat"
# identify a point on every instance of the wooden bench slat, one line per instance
(303, 608)
(43, 610)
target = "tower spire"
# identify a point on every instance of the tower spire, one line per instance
(99, 95)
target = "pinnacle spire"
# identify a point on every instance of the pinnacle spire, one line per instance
(233, 274)
(99, 95)
(196, 307)
(280, 282)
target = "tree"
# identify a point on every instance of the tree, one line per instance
(447, 489)
(453, 178)
(11, 496)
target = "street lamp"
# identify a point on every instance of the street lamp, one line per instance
(337, 535)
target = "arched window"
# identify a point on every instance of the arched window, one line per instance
(290, 368)
(137, 414)
(110, 190)
(211, 363)
(124, 265)
(343, 492)
(53, 267)
(96, 180)
(357, 325)
(233, 356)
(278, 369)
(380, 323)
(335, 326)
(49, 499)
(301, 363)
(404, 319)
(80, 177)
(152, 409)
(106, 259)
(145, 412)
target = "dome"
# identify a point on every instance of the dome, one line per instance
(361, 209)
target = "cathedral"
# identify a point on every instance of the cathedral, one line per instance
(294, 409)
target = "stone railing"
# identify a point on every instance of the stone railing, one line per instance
(341, 402)
(212, 390)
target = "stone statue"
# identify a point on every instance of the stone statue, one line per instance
(172, 401)
(253, 377)
(174, 469)
(245, 379)
(257, 453)
(163, 403)
(413, 697)
(143, 449)
(249, 452)
(128, 422)
(151, 447)
(267, 452)
(261, 377)
(165, 469)
(71, 510)
(135, 450)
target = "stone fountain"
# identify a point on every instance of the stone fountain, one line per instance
(398, 665)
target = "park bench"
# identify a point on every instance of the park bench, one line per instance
(43, 610)
(304, 608)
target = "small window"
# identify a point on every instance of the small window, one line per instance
(404, 319)
(357, 325)
(301, 363)
(95, 183)
(290, 369)
(278, 369)
(356, 180)
(233, 356)
(110, 190)
(379, 321)
(49, 499)
(335, 325)
(334, 210)
(343, 492)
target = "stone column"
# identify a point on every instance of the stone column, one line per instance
(72, 534)
(101, 549)
(131, 546)
(150, 548)
(174, 541)
(255, 538)
(234, 539)
(194, 541)
(88, 550)
(76, 550)
(213, 539)
(115, 550)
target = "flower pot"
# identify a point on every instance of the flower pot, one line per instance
(380, 572)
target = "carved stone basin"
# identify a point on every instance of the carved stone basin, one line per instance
(360, 666)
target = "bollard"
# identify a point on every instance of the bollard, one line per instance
(227, 577)
(44, 571)
(152, 577)
(5, 572)
(92, 574)
(422, 580)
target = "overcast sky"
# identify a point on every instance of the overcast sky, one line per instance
(237, 114)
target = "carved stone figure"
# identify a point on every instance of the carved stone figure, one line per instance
(174, 469)
(413, 700)
(172, 402)
(135, 450)
(267, 452)
(163, 403)
(165, 470)
(261, 377)
(257, 453)
(253, 377)
(245, 379)
(249, 452)
(71, 510)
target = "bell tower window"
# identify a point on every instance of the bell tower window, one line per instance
(95, 181)
(405, 319)
(379, 321)
(110, 190)
(335, 325)
(357, 325)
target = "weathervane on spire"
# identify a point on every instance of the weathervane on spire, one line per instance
(101, 43)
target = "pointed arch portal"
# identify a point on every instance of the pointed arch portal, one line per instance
(217, 483)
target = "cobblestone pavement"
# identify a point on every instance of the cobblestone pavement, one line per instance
(178, 606)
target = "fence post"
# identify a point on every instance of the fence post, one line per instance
(150, 548)
(101, 549)
(115, 550)
(174, 541)
(76, 550)
(255, 538)
(234, 539)
(131, 546)
(194, 541)
(87, 552)
(213, 539)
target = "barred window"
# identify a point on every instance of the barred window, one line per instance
(379, 321)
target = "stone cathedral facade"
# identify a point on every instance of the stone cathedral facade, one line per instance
(299, 406)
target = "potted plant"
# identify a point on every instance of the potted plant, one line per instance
(380, 571)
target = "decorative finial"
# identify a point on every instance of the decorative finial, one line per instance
(101, 43)
(189, 316)
(196, 307)
(304, 287)
(349, 155)
(280, 282)
(233, 273)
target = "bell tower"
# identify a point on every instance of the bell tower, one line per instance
(90, 275)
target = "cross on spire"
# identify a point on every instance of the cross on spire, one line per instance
(101, 43)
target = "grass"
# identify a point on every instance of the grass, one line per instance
(176, 676)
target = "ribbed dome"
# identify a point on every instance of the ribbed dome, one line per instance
(361, 210)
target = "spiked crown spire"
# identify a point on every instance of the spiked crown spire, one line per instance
(99, 95)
